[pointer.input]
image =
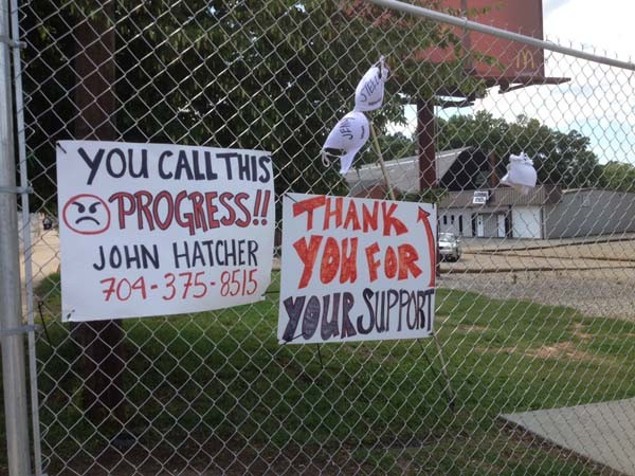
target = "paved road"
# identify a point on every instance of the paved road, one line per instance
(603, 432)
(534, 255)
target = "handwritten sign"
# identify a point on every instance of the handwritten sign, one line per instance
(356, 269)
(153, 229)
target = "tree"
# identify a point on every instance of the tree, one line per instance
(396, 146)
(559, 158)
(274, 75)
(618, 176)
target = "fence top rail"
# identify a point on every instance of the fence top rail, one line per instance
(463, 22)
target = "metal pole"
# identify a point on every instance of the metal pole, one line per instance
(11, 328)
(498, 32)
(27, 244)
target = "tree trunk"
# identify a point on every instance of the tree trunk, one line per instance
(101, 342)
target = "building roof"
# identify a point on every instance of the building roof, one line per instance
(403, 173)
(404, 176)
(503, 196)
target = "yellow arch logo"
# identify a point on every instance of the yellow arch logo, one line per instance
(525, 59)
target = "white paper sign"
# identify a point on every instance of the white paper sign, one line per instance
(356, 269)
(154, 229)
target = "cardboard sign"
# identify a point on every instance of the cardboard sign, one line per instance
(356, 269)
(154, 229)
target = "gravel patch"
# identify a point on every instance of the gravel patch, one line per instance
(600, 293)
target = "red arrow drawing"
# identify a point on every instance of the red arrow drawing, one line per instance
(432, 247)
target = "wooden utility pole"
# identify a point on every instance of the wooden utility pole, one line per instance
(425, 141)
(101, 341)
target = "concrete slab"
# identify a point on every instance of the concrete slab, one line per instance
(603, 432)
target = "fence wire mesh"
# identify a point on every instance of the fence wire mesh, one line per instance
(534, 303)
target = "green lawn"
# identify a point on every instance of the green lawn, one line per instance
(219, 384)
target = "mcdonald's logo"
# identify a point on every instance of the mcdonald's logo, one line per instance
(525, 60)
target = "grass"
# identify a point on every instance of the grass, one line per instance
(218, 391)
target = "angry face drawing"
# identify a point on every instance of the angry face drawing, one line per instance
(86, 214)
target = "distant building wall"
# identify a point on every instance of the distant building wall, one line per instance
(527, 222)
(589, 212)
(507, 213)
(375, 190)
(455, 220)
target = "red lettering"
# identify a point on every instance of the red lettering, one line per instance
(194, 211)
(330, 261)
(351, 222)
(308, 206)
(390, 221)
(408, 258)
(122, 210)
(225, 201)
(211, 209)
(198, 212)
(163, 222)
(400, 263)
(370, 219)
(333, 212)
(240, 198)
(308, 255)
(183, 223)
(373, 264)
(349, 261)
(334, 215)
(144, 199)
(390, 263)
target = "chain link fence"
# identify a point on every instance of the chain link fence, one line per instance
(534, 311)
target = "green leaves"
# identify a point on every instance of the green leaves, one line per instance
(273, 75)
(559, 158)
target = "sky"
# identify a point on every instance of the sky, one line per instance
(583, 21)
(599, 101)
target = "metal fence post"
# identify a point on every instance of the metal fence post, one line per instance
(11, 328)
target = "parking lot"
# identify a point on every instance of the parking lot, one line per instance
(594, 275)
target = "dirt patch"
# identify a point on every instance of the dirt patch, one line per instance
(578, 331)
(466, 329)
(561, 350)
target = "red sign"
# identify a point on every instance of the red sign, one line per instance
(512, 60)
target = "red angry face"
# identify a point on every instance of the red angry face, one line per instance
(86, 214)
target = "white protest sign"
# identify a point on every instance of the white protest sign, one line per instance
(158, 229)
(356, 269)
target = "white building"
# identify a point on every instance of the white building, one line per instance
(475, 205)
